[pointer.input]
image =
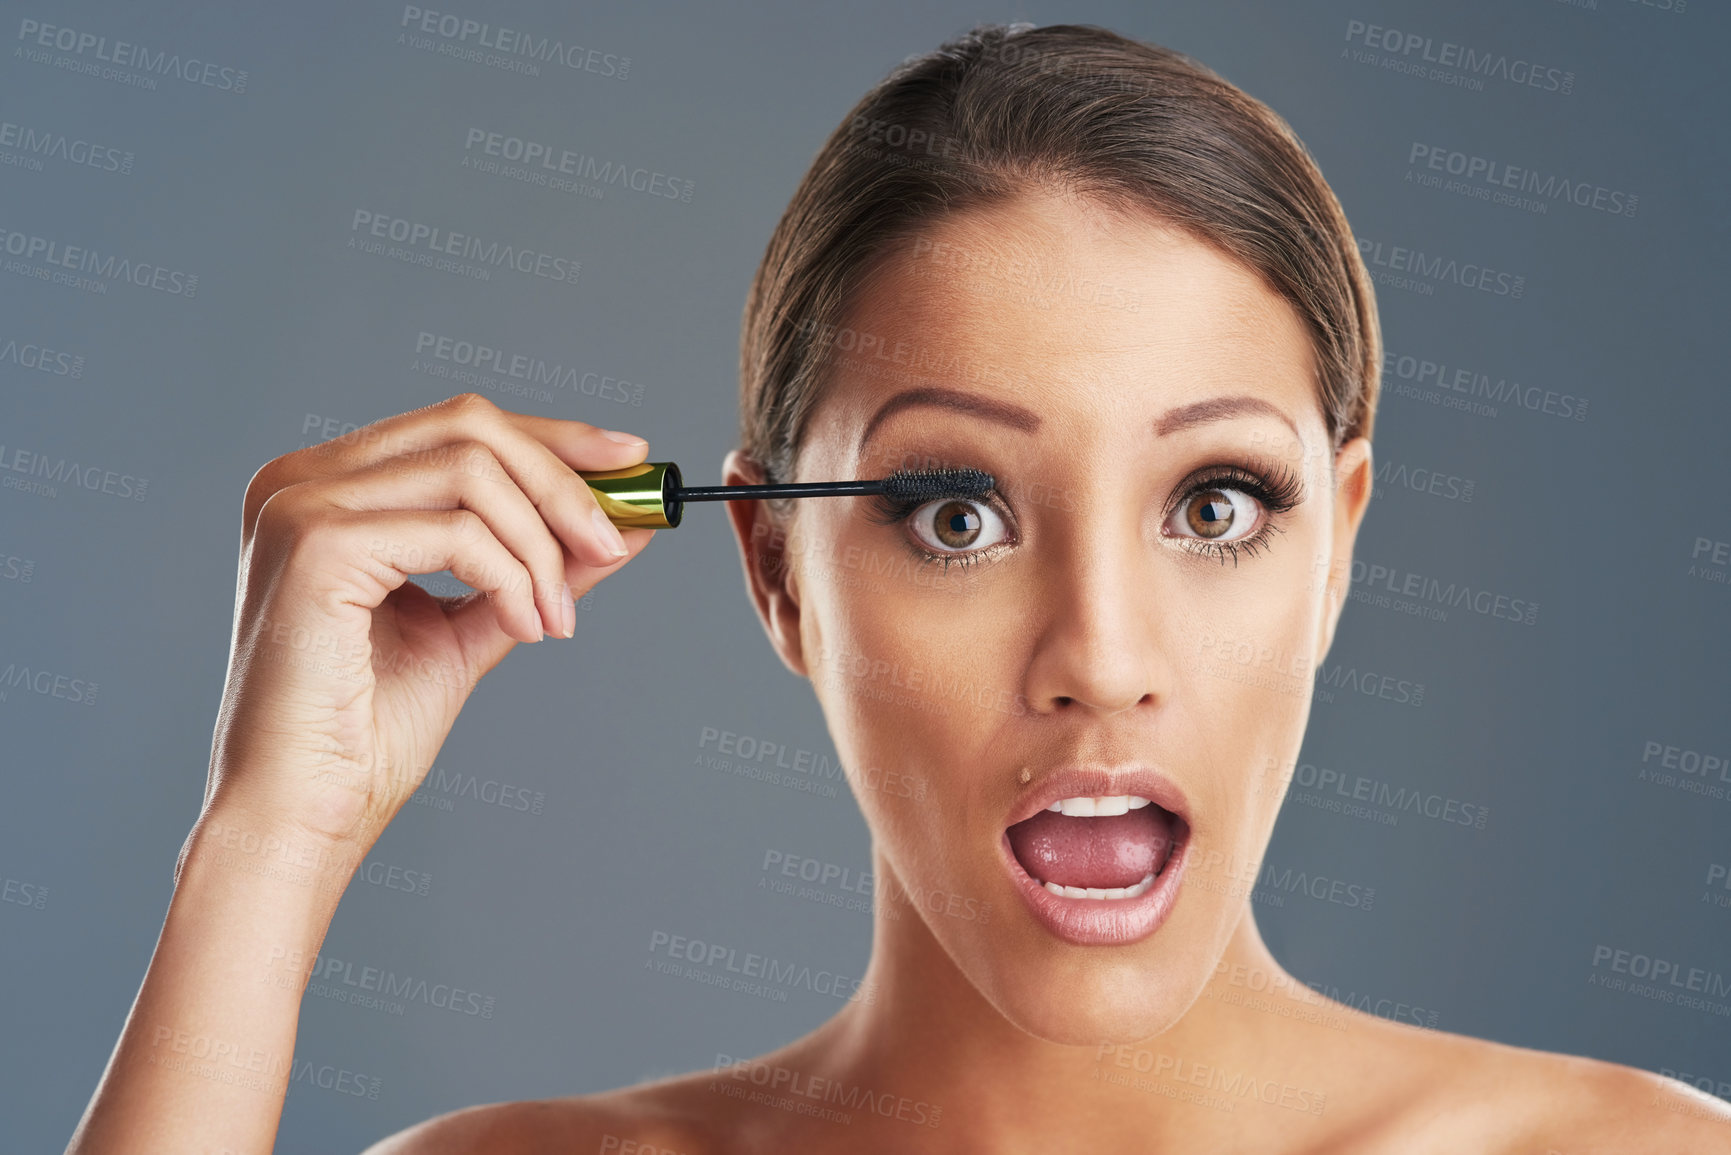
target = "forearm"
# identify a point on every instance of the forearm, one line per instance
(204, 1060)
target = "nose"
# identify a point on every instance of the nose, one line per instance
(1097, 645)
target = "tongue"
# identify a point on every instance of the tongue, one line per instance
(1118, 850)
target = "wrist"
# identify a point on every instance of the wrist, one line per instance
(237, 843)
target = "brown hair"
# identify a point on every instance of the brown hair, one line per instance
(1000, 109)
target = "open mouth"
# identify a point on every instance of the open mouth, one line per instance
(1106, 848)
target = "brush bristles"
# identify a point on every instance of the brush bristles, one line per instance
(933, 484)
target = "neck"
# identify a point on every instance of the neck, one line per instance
(928, 1035)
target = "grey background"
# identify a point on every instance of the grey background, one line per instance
(551, 913)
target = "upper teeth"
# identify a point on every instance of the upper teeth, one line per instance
(1099, 806)
(1134, 891)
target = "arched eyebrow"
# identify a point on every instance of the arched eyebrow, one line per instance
(990, 408)
(1027, 421)
(1219, 409)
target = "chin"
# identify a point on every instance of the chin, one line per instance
(1084, 994)
(1089, 1003)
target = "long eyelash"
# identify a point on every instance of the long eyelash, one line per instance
(1278, 491)
(887, 510)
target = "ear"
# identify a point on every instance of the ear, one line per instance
(1353, 469)
(763, 550)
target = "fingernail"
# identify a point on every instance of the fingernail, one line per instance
(609, 534)
(570, 611)
(623, 438)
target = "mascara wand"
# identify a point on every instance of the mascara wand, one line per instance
(652, 496)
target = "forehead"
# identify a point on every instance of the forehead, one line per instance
(1069, 306)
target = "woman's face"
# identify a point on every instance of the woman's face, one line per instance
(1135, 613)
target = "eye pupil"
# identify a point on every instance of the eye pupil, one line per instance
(957, 524)
(1211, 514)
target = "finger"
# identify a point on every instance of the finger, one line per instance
(465, 416)
(466, 475)
(459, 541)
(364, 556)
(484, 644)
(583, 577)
(565, 501)
(433, 425)
(575, 442)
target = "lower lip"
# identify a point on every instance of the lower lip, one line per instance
(1102, 921)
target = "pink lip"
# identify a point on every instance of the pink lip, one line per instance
(1113, 921)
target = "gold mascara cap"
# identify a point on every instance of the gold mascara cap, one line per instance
(642, 496)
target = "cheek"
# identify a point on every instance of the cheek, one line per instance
(891, 634)
(1244, 683)
(913, 677)
(1253, 647)
(903, 671)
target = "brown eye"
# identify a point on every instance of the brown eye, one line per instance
(1215, 514)
(1210, 514)
(957, 526)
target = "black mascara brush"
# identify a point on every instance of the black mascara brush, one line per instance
(651, 495)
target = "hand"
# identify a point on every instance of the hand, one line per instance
(345, 677)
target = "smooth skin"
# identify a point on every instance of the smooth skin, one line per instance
(1094, 619)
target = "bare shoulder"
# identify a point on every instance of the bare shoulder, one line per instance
(1465, 1093)
(1581, 1106)
(666, 1117)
